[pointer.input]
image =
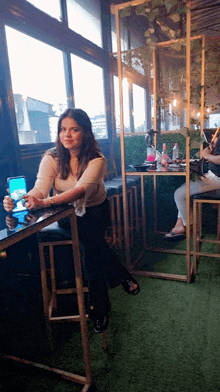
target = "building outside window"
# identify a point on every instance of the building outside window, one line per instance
(38, 84)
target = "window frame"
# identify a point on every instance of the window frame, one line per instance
(26, 18)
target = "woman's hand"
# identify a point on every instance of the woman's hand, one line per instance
(33, 203)
(8, 203)
(206, 153)
(11, 222)
(30, 218)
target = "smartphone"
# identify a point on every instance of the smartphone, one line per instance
(19, 215)
(17, 188)
(207, 137)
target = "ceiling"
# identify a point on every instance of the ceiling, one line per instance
(205, 17)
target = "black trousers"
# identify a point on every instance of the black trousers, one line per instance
(101, 264)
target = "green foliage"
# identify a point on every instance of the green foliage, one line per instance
(154, 11)
(125, 12)
(135, 151)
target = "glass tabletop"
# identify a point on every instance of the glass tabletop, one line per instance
(15, 222)
(154, 167)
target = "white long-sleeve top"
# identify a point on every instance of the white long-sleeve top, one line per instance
(92, 181)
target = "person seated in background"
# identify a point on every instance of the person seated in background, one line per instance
(208, 182)
(75, 170)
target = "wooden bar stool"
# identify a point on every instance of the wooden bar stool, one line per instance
(111, 232)
(133, 183)
(49, 238)
(212, 197)
(114, 190)
(114, 193)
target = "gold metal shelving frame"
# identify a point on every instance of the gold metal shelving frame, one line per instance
(115, 9)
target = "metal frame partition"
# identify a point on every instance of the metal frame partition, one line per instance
(130, 265)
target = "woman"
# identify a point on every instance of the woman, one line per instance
(75, 170)
(209, 182)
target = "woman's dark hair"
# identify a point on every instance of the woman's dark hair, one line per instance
(88, 150)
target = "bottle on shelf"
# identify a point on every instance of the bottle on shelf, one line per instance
(164, 156)
(176, 153)
(150, 154)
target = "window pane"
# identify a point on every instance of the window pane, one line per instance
(124, 36)
(213, 120)
(38, 84)
(89, 93)
(136, 41)
(125, 88)
(84, 17)
(139, 106)
(50, 7)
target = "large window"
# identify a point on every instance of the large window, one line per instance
(89, 93)
(125, 87)
(84, 17)
(50, 7)
(38, 84)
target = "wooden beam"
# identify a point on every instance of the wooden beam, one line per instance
(117, 7)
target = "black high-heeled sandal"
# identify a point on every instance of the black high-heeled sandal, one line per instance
(100, 322)
(100, 325)
(128, 284)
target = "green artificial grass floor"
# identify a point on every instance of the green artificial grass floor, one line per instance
(166, 339)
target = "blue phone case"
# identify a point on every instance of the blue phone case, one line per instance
(17, 188)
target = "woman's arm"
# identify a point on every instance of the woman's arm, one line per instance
(207, 154)
(93, 175)
(69, 196)
(45, 178)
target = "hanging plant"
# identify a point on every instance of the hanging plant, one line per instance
(158, 10)
(172, 66)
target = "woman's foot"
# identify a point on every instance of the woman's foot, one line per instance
(131, 286)
(100, 325)
(179, 230)
(173, 234)
(100, 319)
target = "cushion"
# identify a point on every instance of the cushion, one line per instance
(52, 233)
(211, 195)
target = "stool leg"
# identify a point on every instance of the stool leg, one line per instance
(135, 190)
(53, 277)
(197, 232)
(218, 226)
(104, 340)
(195, 216)
(199, 219)
(113, 220)
(45, 291)
(119, 225)
(130, 194)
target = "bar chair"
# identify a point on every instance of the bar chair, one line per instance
(113, 185)
(211, 197)
(49, 238)
(114, 194)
